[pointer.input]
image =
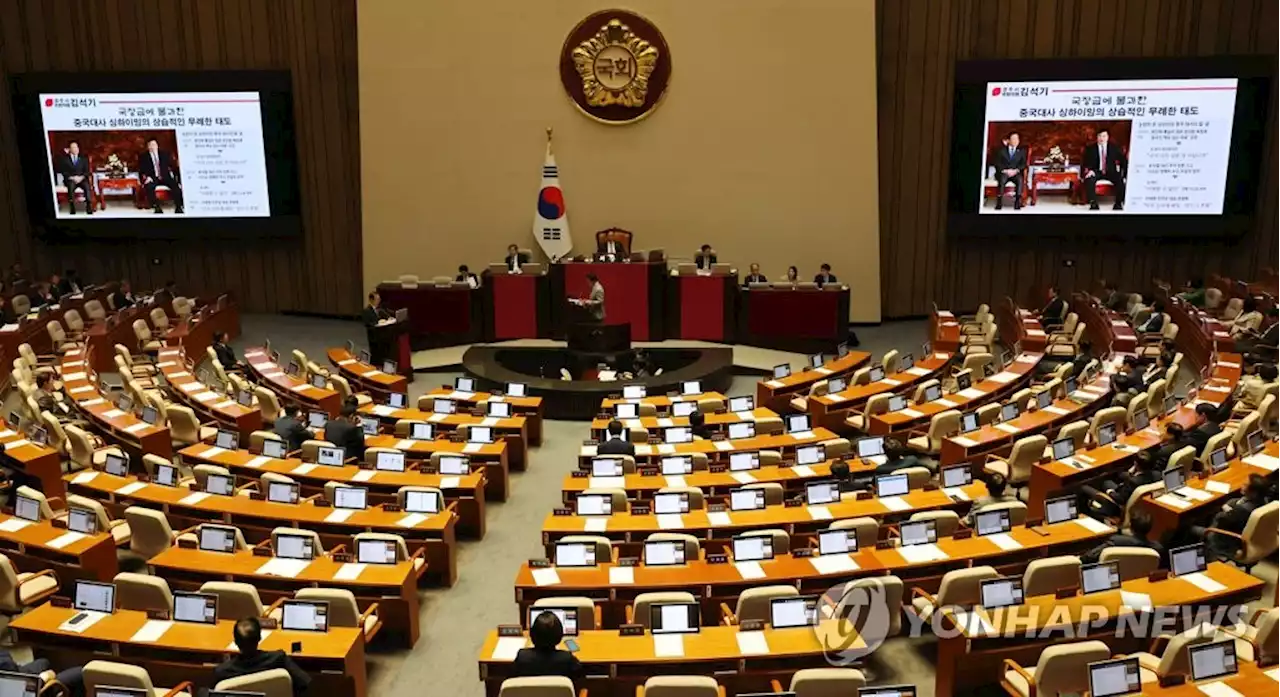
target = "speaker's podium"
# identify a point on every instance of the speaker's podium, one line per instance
(389, 342)
(592, 340)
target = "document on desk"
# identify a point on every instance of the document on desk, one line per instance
(68, 377)
(1219, 689)
(774, 383)
(955, 493)
(1004, 541)
(546, 577)
(607, 482)
(404, 444)
(437, 418)
(286, 568)
(193, 498)
(1140, 602)
(363, 475)
(304, 468)
(1094, 526)
(348, 572)
(1051, 409)
(339, 515)
(622, 575)
(84, 477)
(827, 564)
(112, 413)
(1174, 501)
(13, 524)
(670, 521)
(668, 645)
(411, 521)
(225, 404)
(191, 387)
(258, 461)
(1203, 582)
(972, 393)
(723, 445)
(212, 451)
(917, 371)
(384, 410)
(1194, 494)
(301, 387)
(1217, 487)
(946, 403)
(507, 648)
(134, 428)
(1004, 377)
(151, 631)
(802, 435)
(472, 448)
(595, 524)
(803, 471)
(17, 443)
(666, 449)
(205, 397)
(719, 518)
(1274, 674)
(819, 512)
(920, 554)
(744, 415)
(743, 477)
(911, 413)
(93, 402)
(1009, 428)
(752, 644)
(666, 423)
(749, 570)
(66, 538)
(895, 503)
(450, 482)
(643, 449)
(91, 618)
(1263, 460)
(963, 442)
(130, 488)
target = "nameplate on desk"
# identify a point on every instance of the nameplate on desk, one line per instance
(160, 615)
(344, 558)
(884, 544)
(751, 626)
(630, 630)
(60, 601)
(539, 563)
(187, 544)
(510, 630)
(716, 508)
(59, 523)
(561, 511)
(793, 503)
(580, 474)
(262, 552)
(590, 442)
(717, 469)
(628, 561)
(864, 496)
(802, 553)
(321, 503)
(962, 534)
(643, 472)
(640, 510)
(717, 558)
(268, 622)
(1159, 575)
(1064, 593)
(391, 507)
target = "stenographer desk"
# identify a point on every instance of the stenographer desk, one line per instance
(794, 319)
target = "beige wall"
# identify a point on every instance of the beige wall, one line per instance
(764, 146)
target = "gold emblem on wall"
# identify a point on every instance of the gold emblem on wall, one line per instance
(615, 66)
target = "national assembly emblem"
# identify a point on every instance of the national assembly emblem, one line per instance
(615, 66)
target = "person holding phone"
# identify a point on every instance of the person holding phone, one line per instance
(544, 659)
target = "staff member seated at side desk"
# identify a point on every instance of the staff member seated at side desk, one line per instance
(1139, 529)
(290, 427)
(615, 444)
(544, 659)
(247, 634)
(754, 277)
(824, 276)
(465, 276)
(705, 257)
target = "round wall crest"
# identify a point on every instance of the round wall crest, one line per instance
(615, 66)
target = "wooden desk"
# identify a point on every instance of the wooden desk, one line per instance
(799, 521)
(1249, 680)
(40, 545)
(289, 388)
(394, 587)
(467, 492)
(490, 456)
(993, 438)
(655, 424)
(528, 407)
(366, 377)
(630, 660)
(969, 657)
(714, 449)
(1167, 517)
(257, 519)
(1199, 334)
(1018, 327)
(660, 401)
(101, 339)
(944, 331)
(777, 393)
(831, 410)
(1051, 478)
(1014, 377)
(513, 430)
(1104, 328)
(189, 651)
(39, 461)
(644, 486)
(196, 334)
(713, 584)
(134, 434)
(212, 405)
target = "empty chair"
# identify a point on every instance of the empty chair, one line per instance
(861, 376)
(1048, 576)
(692, 547)
(1110, 415)
(780, 538)
(1017, 511)
(1169, 653)
(922, 388)
(119, 529)
(314, 536)
(343, 387)
(1062, 669)
(1076, 431)
(835, 448)
(1132, 562)
(46, 512)
(886, 590)
(586, 607)
(94, 310)
(825, 682)
(21, 304)
(1183, 458)
(343, 609)
(1151, 345)
(235, 600)
(754, 603)
(696, 499)
(1218, 440)
(943, 424)
(959, 588)
(1025, 454)
(1022, 398)
(988, 413)
(680, 685)
(977, 362)
(773, 492)
(269, 404)
(402, 549)
(946, 522)
(867, 530)
(311, 449)
(58, 338)
(891, 361)
(19, 591)
(73, 322)
(878, 404)
(271, 683)
(150, 529)
(257, 438)
(1257, 639)
(1137, 405)
(111, 674)
(142, 592)
(159, 320)
(185, 428)
(917, 477)
(547, 686)
(146, 342)
(638, 610)
(768, 425)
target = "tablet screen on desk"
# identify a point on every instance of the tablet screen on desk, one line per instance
(421, 431)
(746, 499)
(282, 492)
(396, 400)
(677, 466)
(752, 548)
(517, 389)
(992, 522)
(921, 532)
(741, 404)
(390, 461)
(1187, 560)
(219, 484)
(1218, 460)
(897, 403)
(350, 497)
(959, 475)
(216, 538)
(606, 467)
(111, 691)
(626, 410)
(1096, 578)
(499, 410)
(1174, 478)
(19, 685)
(454, 465)
(932, 392)
(464, 385)
(421, 501)
(781, 371)
(27, 508)
(633, 392)
(317, 419)
(670, 502)
(479, 434)
(888, 691)
(444, 406)
(274, 448)
(1001, 592)
(369, 426)
(575, 554)
(741, 462)
(1113, 678)
(835, 385)
(815, 361)
(1060, 510)
(83, 521)
(964, 380)
(664, 553)
(1106, 434)
(742, 429)
(797, 423)
(166, 475)
(1215, 660)
(319, 381)
(377, 552)
(228, 440)
(837, 541)
(201, 608)
(679, 409)
(331, 456)
(1140, 420)
(876, 374)
(594, 504)
(295, 546)
(94, 596)
(810, 455)
(800, 611)
(892, 485)
(568, 617)
(117, 465)
(1063, 448)
(673, 618)
(969, 422)
(679, 434)
(691, 387)
(819, 493)
(1044, 399)
(1009, 411)
(150, 416)
(305, 615)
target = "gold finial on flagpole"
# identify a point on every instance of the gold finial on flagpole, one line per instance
(548, 134)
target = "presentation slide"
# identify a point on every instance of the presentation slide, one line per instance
(128, 155)
(1111, 147)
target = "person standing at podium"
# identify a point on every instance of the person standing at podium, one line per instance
(594, 303)
(373, 315)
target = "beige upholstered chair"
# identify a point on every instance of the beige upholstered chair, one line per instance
(269, 404)
(1023, 457)
(959, 588)
(19, 591)
(94, 310)
(119, 529)
(638, 610)
(1169, 654)
(1062, 669)
(553, 686)
(402, 549)
(185, 428)
(890, 361)
(146, 342)
(151, 532)
(1258, 540)
(142, 592)
(946, 522)
(680, 685)
(886, 590)
(1150, 347)
(585, 606)
(235, 600)
(109, 673)
(58, 338)
(74, 323)
(1132, 562)
(343, 609)
(257, 438)
(867, 530)
(773, 492)
(942, 425)
(1048, 576)
(1257, 639)
(825, 682)
(271, 683)
(753, 603)
(918, 395)
(159, 320)
(877, 404)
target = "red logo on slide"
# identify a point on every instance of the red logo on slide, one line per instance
(48, 102)
(995, 91)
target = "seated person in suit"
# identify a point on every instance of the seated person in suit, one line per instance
(69, 283)
(1138, 536)
(1261, 346)
(1113, 299)
(226, 355)
(1055, 311)
(1194, 292)
(1210, 418)
(1253, 388)
(1110, 496)
(515, 258)
(74, 168)
(615, 444)
(1233, 517)
(824, 276)
(1248, 320)
(705, 258)
(290, 427)
(611, 248)
(247, 634)
(465, 276)
(1155, 321)
(1175, 440)
(1104, 160)
(345, 431)
(996, 493)
(123, 297)
(1009, 161)
(898, 456)
(43, 295)
(44, 395)
(754, 277)
(1127, 382)
(793, 275)
(1082, 359)
(840, 473)
(1156, 370)
(698, 424)
(72, 678)
(543, 659)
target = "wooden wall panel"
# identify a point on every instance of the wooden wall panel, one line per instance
(314, 39)
(919, 42)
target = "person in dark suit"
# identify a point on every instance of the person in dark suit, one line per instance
(698, 425)
(754, 277)
(72, 678)
(465, 276)
(1104, 160)
(247, 634)
(1233, 517)
(615, 444)
(156, 168)
(76, 176)
(123, 297)
(68, 283)
(611, 248)
(1009, 161)
(42, 295)
(898, 456)
(1055, 311)
(1211, 418)
(1261, 346)
(705, 258)
(226, 355)
(544, 659)
(1138, 536)
(515, 259)
(1110, 497)
(345, 432)
(371, 315)
(824, 276)
(290, 427)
